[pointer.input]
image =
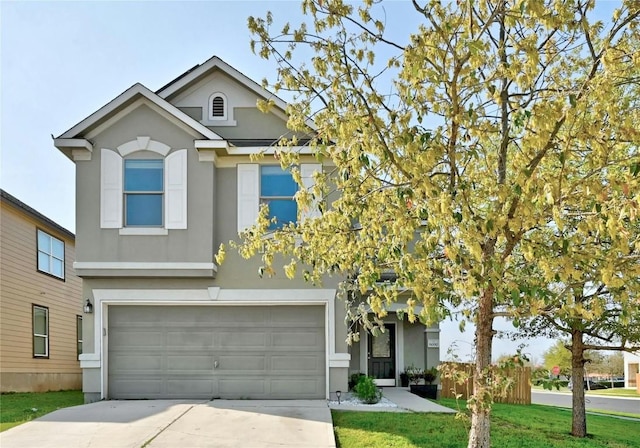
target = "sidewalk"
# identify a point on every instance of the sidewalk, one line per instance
(398, 399)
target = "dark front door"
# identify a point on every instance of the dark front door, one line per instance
(382, 356)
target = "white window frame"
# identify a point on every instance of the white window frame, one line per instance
(126, 194)
(249, 192)
(225, 107)
(262, 199)
(38, 335)
(112, 187)
(79, 335)
(49, 253)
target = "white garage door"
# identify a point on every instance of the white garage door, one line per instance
(204, 352)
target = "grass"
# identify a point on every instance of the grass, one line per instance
(613, 392)
(513, 426)
(17, 408)
(617, 392)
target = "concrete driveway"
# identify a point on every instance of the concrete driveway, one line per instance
(181, 424)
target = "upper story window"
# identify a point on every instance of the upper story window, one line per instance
(143, 192)
(50, 255)
(277, 189)
(40, 331)
(218, 107)
(270, 184)
(140, 194)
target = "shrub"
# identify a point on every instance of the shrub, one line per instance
(367, 391)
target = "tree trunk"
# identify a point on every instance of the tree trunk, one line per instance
(479, 436)
(579, 418)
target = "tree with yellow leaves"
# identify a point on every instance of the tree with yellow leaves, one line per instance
(460, 153)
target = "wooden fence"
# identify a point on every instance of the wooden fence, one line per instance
(519, 391)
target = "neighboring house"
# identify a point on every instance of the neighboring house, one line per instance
(162, 179)
(631, 369)
(40, 302)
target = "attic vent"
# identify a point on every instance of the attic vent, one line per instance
(217, 107)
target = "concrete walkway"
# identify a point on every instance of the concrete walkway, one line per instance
(404, 400)
(181, 424)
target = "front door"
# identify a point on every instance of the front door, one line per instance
(382, 356)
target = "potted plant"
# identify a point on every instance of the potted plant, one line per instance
(404, 379)
(426, 389)
(354, 378)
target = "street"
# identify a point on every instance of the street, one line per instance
(631, 405)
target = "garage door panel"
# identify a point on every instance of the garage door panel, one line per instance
(243, 364)
(241, 339)
(194, 388)
(298, 364)
(242, 388)
(296, 339)
(185, 363)
(136, 362)
(195, 338)
(134, 339)
(296, 387)
(267, 352)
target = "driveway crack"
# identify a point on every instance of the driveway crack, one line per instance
(146, 444)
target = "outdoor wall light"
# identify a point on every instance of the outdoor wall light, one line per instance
(338, 394)
(88, 307)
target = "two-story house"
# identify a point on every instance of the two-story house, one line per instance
(162, 179)
(40, 302)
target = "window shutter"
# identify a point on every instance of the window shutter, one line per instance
(306, 173)
(110, 189)
(248, 194)
(175, 190)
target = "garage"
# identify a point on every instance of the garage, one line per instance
(205, 352)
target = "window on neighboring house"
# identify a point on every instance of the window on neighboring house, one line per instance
(277, 189)
(50, 255)
(217, 107)
(79, 333)
(40, 331)
(143, 192)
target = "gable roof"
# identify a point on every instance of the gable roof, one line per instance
(198, 72)
(4, 196)
(127, 97)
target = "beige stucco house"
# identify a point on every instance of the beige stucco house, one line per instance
(162, 178)
(40, 302)
(632, 370)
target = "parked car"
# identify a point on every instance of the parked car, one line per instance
(589, 385)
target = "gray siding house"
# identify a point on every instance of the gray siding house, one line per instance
(162, 178)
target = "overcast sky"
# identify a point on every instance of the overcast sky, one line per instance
(61, 61)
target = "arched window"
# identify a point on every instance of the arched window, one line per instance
(217, 106)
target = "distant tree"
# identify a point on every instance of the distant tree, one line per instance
(458, 159)
(558, 355)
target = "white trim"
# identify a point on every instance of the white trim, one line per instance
(143, 144)
(213, 296)
(339, 360)
(74, 148)
(143, 231)
(224, 120)
(211, 144)
(142, 265)
(124, 98)
(399, 352)
(268, 149)
(234, 161)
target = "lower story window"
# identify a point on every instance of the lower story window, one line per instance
(40, 331)
(79, 333)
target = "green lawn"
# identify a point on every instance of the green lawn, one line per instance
(513, 426)
(613, 392)
(616, 392)
(17, 408)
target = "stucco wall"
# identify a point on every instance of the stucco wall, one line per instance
(194, 244)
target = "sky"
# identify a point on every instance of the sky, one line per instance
(61, 61)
